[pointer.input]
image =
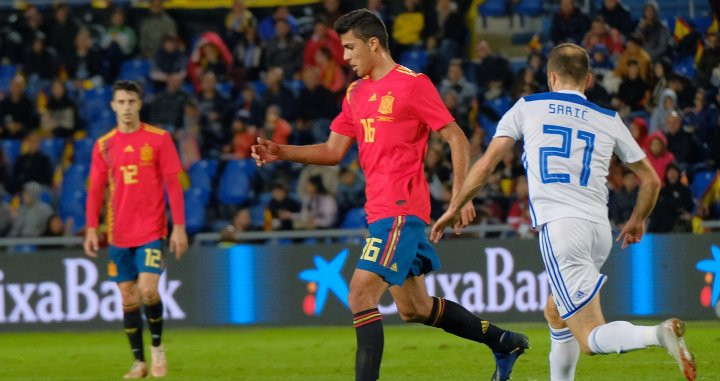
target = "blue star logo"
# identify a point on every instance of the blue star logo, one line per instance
(328, 278)
(712, 266)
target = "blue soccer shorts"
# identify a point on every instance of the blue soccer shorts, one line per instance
(127, 262)
(397, 249)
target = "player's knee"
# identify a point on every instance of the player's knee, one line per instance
(360, 300)
(149, 294)
(413, 313)
(553, 316)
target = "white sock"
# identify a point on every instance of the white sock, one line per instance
(621, 337)
(564, 354)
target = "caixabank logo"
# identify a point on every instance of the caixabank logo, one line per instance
(324, 279)
(710, 292)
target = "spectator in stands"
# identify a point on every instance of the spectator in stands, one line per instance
(655, 34)
(248, 57)
(407, 30)
(267, 27)
(86, 62)
(680, 142)
(332, 74)
(684, 89)
(238, 21)
(31, 24)
(332, 10)
(713, 148)
(437, 171)
(377, 7)
(617, 17)
(276, 128)
(318, 102)
(600, 62)
(634, 91)
(6, 215)
(119, 34)
(32, 165)
(323, 37)
(166, 108)
(519, 214)
(351, 190)
(34, 213)
(249, 102)
(634, 51)
(282, 208)
(525, 78)
(214, 108)
(658, 153)
(191, 137)
(597, 94)
(661, 69)
(210, 54)
(241, 222)
(63, 26)
(318, 208)
(40, 62)
(569, 24)
(244, 135)
(168, 62)
(276, 93)
(672, 212)
(639, 131)
(490, 67)
(622, 201)
(601, 34)
(154, 28)
(285, 50)
(709, 60)
(5, 181)
(17, 112)
(702, 118)
(464, 90)
(61, 117)
(55, 227)
(668, 103)
(447, 25)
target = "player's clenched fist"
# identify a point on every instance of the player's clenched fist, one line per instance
(265, 152)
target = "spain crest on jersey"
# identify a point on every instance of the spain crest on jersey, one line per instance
(146, 154)
(386, 104)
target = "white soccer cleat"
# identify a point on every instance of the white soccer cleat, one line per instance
(670, 335)
(159, 363)
(137, 370)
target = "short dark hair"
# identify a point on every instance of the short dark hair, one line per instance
(569, 61)
(364, 24)
(130, 86)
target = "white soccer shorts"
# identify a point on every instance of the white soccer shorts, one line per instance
(574, 250)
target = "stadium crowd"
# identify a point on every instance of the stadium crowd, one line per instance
(278, 73)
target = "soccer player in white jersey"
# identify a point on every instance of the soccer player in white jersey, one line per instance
(568, 144)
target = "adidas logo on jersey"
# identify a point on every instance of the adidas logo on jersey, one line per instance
(579, 295)
(372, 98)
(128, 149)
(394, 267)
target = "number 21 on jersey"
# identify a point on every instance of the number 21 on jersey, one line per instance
(564, 152)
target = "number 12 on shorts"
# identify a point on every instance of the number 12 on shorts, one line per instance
(152, 257)
(564, 152)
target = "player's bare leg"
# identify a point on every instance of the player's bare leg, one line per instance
(132, 320)
(564, 348)
(148, 283)
(597, 337)
(415, 305)
(366, 288)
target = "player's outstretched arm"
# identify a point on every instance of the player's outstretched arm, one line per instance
(328, 153)
(460, 151)
(477, 176)
(634, 229)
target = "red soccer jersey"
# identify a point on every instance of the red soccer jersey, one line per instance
(391, 119)
(135, 165)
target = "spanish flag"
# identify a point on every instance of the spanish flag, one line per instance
(534, 45)
(682, 29)
(699, 51)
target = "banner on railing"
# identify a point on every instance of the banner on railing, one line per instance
(501, 280)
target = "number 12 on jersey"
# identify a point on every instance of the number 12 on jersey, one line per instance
(564, 152)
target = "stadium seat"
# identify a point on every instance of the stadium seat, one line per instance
(492, 8)
(257, 215)
(500, 105)
(94, 101)
(489, 126)
(194, 211)
(529, 8)
(82, 151)
(72, 203)
(225, 88)
(135, 70)
(701, 182)
(234, 188)
(209, 166)
(53, 148)
(102, 123)
(354, 219)
(7, 72)
(11, 149)
(246, 166)
(414, 59)
(259, 87)
(685, 67)
(75, 178)
(200, 183)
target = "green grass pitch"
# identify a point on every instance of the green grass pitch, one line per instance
(412, 352)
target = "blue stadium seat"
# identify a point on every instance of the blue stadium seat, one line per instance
(355, 219)
(700, 183)
(529, 8)
(94, 101)
(685, 67)
(7, 72)
(259, 87)
(257, 215)
(194, 211)
(225, 88)
(72, 202)
(209, 166)
(500, 105)
(101, 124)
(135, 70)
(234, 188)
(11, 149)
(201, 184)
(246, 166)
(492, 8)
(414, 59)
(82, 150)
(489, 127)
(53, 148)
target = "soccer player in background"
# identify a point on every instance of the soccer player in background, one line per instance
(390, 112)
(137, 160)
(568, 143)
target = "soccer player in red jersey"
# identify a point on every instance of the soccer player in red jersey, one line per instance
(136, 160)
(390, 112)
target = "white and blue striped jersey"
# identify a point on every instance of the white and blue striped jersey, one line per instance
(568, 144)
